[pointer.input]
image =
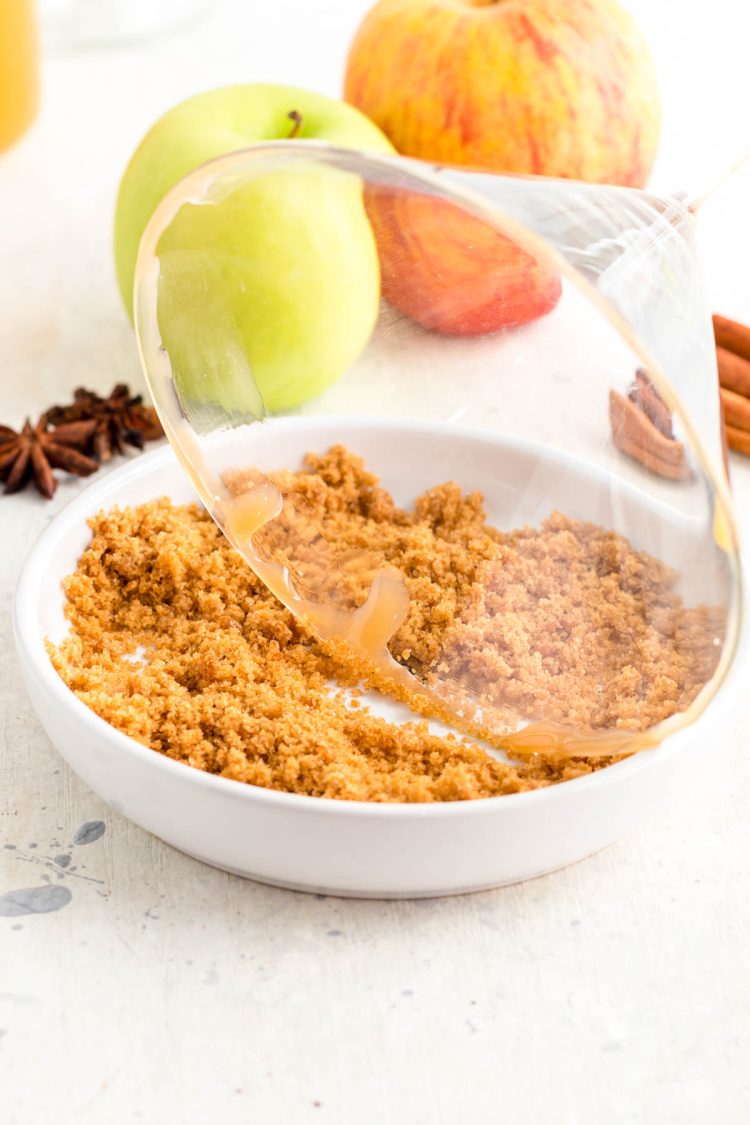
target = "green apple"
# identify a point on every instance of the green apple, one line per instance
(273, 288)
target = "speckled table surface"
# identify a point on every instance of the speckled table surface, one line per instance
(139, 985)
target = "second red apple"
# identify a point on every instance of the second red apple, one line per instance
(451, 271)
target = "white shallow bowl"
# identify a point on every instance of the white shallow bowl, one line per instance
(343, 847)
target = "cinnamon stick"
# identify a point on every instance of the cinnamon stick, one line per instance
(738, 440)
(733, 360)
(736, 409)
(734, 372)
(732, 336)
(634, 434)
(646, 397)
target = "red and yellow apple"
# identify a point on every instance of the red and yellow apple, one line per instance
(549, 87)
(451, 271)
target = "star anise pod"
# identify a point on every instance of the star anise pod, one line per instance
(121, 419)
(33, 453)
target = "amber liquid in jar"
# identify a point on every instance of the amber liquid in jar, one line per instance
(19, 69)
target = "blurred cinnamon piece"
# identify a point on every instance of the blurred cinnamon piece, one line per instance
(736, 409)
(733, 362)
(732, 336)
(734, 372)
(738, 440)
(646, 397)
(635, 434)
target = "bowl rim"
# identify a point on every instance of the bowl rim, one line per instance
(33, 655)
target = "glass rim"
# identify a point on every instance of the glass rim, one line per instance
(195, 185)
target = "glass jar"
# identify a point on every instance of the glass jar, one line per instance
(19, 69)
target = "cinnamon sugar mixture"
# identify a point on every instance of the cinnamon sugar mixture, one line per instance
(175, 641)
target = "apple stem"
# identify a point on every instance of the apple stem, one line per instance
(296, 117)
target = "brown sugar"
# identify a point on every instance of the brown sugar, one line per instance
(177, 643)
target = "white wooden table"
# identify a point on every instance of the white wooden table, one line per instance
(163, 991)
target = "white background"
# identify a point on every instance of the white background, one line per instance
(615, 992)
